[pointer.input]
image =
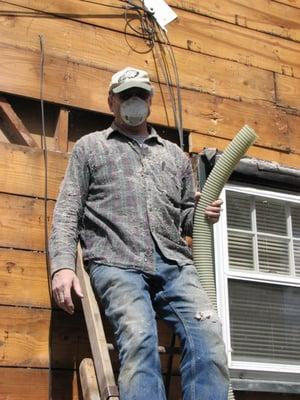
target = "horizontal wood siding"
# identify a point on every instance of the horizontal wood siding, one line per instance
(32, 384)
(22, 171)
(203, 113)
(260, 15)
(23, 277)
(23, 222)
(102, 49)
(238, 63)
(198, 142)
(220, 55)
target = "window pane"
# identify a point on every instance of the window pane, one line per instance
(238, 211)
(264, 322)
(297, 256)
(240, 248)
(295, 212)
(273, 255)
(270, 216)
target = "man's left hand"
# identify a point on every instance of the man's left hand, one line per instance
(213, 211)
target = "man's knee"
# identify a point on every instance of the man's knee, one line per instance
(213, 347)
(139, 334)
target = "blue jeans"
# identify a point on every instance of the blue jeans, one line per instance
(132, 299)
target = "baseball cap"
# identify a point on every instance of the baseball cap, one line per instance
(128, 78)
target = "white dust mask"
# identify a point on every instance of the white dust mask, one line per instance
(134, 111)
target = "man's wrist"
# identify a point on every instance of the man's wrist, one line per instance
(61, 269)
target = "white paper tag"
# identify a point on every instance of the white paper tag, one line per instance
(161, 11)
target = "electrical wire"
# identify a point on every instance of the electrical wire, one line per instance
(144, 33)
(170, 86)
(177, 84)
(45, 156)
(158, 41)
(164, 43)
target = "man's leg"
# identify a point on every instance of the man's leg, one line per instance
(126, 300)
(183, 303)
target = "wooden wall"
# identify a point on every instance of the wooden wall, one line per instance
(238, 63)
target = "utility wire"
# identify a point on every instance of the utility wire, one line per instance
(144, 33)
(158, 41)
(45, 156)
(164, 43)
(177, 84)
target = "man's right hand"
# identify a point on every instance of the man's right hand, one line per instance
(62, 283)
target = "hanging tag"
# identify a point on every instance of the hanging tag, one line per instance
(161, 12)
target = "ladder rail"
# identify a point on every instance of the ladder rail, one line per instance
(102, 362)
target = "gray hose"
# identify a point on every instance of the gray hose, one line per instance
(203, 251)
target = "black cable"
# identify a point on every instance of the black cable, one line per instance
(45, 156)
(175, 69)
(146, 32)
(153, 33)
(176, 104)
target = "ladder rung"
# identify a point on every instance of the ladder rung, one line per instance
(161, 349)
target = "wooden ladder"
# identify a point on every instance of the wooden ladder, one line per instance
(96, 376)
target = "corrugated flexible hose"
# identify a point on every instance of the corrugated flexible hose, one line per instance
(203, 248)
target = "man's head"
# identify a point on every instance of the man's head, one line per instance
(130, 95)
(129, 78)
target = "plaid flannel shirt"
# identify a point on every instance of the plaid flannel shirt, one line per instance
(119, 198)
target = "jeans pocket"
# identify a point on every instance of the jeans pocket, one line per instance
(94, 270)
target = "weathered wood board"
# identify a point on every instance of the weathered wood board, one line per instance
(197, 142)
(81, 44)
(24, 334)
(288, 92)
(201, 112)
(23, 171)
(262, 15)
(32, 384)
(23, 277)
(22, 222)
(197, 32)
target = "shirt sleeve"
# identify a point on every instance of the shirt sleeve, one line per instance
(68, 211)
(187, 199)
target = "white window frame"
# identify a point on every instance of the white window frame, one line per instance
(223, 274)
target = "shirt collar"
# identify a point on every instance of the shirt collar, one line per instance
(153, 134)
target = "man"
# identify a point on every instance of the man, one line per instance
(128, 195)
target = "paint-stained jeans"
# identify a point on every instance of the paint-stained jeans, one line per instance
(130, 297)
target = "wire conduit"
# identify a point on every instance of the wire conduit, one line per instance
(203, 248)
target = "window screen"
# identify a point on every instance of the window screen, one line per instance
(264, 322)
